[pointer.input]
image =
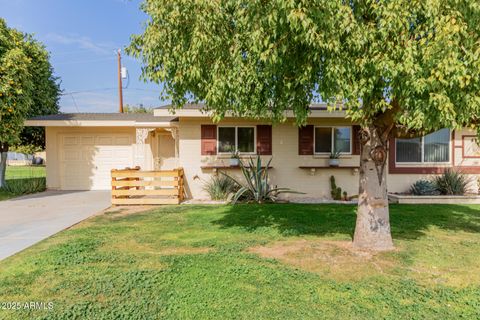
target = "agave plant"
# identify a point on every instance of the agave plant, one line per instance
(424, 188)
(257, 187)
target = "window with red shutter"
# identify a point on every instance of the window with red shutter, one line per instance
(356, 139)
(264, 140)
(305, 140)
(209, 139)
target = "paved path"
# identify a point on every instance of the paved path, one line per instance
(27, 220)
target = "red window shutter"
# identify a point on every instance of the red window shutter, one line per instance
(356, 139)
(305, 140)
(264, 140)
(209, 139)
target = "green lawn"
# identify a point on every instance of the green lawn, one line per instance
(24, 172)
(251, 262)
(21, 172)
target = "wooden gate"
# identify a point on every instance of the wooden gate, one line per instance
(131, 186)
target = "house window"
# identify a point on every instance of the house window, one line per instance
(236, 139)
(328, 139)
(434, 147)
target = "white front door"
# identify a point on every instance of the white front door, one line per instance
(165, 159)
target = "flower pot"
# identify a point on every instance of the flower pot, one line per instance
(333, 162)
(234, 162)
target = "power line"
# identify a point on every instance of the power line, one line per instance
(75, 51)
(74, 102)
(106, 89)
(83, 61)
(140, 89)
(88, 90)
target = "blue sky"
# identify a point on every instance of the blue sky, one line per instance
(82, 37)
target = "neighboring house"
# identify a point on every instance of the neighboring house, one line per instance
(18, 159)
(83, 148)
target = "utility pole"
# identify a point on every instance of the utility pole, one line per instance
(120, 92)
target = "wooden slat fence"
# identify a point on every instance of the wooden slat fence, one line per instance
(131, 186)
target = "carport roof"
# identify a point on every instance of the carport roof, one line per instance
(101, 119)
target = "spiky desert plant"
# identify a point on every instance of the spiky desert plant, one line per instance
(256, 187)
(219, 187)
(451, 182)
(424, 188)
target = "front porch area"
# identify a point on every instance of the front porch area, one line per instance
(131, 186)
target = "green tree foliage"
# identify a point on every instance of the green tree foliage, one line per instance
(257, 57)
(27, 87)
(399, 68)
(136, 109)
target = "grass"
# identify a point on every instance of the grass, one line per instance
(251, 262)
(24, 172)
(21, 175)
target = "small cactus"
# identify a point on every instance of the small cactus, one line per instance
(336, 192)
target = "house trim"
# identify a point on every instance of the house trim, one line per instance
(95, 123)
(197, 113)
(394, 168)
(463, 147)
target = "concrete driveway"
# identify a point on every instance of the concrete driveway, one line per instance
(27, 220)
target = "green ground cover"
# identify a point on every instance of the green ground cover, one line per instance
(283, 261)
(22, 176)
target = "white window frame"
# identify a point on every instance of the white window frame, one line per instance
(333, 139)
(422, 141)
(236, 139)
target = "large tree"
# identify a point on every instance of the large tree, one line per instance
(27, 87)
(400, 68)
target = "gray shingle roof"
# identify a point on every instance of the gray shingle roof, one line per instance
(137, 117)
(199, 106)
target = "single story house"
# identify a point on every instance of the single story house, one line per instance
(83, 148)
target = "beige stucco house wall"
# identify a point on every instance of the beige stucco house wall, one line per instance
(285, 163)
(286, 171)
(83, 148)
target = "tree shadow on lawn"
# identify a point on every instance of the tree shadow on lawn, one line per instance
(407, 221)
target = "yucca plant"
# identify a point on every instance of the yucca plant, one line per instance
(219, 187)
(451, 182)
(256, 187)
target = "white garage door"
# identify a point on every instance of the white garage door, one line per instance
(86, 160)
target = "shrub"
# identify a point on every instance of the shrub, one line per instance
(451, 182)
(424, 188)
(219, 187)
(25, 186)
(257, 187)
(26, 149)
(335, 191)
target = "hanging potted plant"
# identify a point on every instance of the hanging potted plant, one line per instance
(334, 160)
(234, 159)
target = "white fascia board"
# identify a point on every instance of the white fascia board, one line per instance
(94, 123)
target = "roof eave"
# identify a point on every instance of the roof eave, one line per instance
(96, 123)
(203, 114)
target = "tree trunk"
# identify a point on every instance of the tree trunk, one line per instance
(3, 163)
(372, 230)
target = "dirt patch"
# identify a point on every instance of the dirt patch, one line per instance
(335, 259)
